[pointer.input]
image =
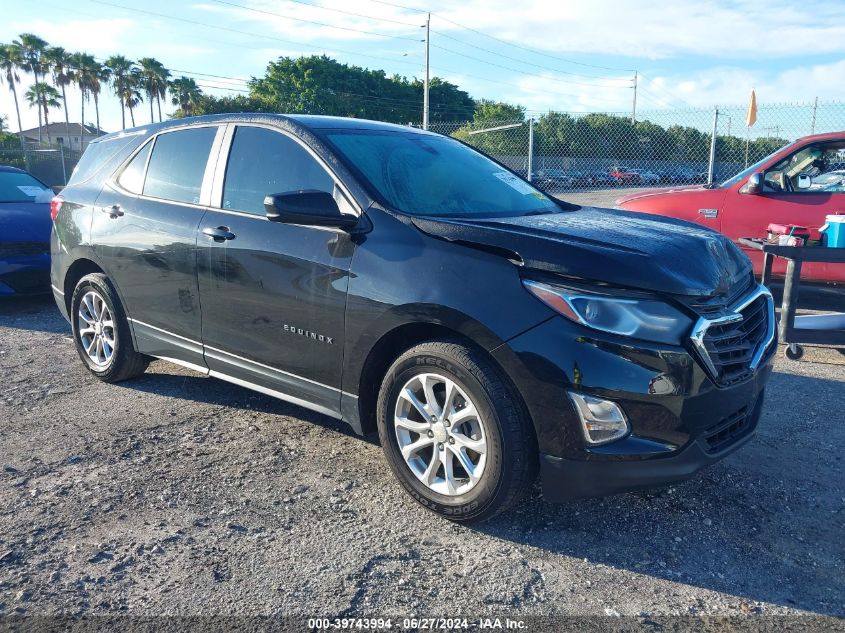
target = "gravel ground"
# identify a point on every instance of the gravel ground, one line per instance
(177, 494)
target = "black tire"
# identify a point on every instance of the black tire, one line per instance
(124, 362)
(511, 465)
(797, 354)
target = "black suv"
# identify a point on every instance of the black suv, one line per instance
(403, 282)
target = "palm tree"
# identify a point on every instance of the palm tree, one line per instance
(186, 93)
(58, 60)
(132, 95)
(45, 97)
(90, 75)
(81, 76)
(32, 49)
(101, 76)
(154, 78)
(10, 61)
(121, 81)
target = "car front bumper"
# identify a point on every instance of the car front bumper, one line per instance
(565, 479)
(680, 420)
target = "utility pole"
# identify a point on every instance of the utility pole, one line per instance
(634, 107)
(712, 165)
(425, 85)
(813, 124)
(530, 149)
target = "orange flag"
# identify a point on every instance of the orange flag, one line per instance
(751, 115)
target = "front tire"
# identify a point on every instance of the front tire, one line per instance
(454, 432)
(101, 332)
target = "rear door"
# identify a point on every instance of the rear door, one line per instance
(145, 235)
(273, 295)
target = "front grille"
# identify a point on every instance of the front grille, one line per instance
(731, 345)
(729, 430)
(23, 249)
(734, 331)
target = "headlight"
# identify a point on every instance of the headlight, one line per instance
(647, 319)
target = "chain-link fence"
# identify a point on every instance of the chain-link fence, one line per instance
(571, 151)
(52, 165)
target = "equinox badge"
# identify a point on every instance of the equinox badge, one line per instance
(309, 334)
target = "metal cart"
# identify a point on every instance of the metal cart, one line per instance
(823, 329)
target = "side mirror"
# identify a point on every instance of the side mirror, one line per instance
(754, 184)
(308, 207)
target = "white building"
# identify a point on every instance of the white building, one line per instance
(57, 134)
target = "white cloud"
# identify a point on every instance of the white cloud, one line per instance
(656, 28)
(732, 85)
(100, 37)
(313, 24)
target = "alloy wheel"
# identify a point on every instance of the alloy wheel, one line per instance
(440, 433)
(96, 329)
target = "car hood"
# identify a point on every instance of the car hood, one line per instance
(25, 222)
(616, 247)
(658, 192)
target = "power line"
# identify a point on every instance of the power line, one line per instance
(400, 6)
(489, 63)
(516, 59)
(506, 42)
(666, 92)
(330, 26)
(359, 15)
(241, 32)
(373, 97)
(252, 34)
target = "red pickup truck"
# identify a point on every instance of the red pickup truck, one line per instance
(798, 184)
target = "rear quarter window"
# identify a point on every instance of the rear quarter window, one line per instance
(101, 153)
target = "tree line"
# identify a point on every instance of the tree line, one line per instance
(318, 84)
(54, 70)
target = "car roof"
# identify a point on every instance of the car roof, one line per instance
(12, 169)
(309, 121)
(827, 136)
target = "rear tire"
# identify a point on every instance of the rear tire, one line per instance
(469, 447)
(101, 332)
(793, 355)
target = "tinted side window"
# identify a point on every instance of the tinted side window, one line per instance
(97, 154)
(263, 162)
(132, 177)
(178, 164)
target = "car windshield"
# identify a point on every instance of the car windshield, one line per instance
(730, 182)
(428, 174)
(18, 186)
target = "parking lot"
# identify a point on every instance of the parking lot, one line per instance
(178, 494)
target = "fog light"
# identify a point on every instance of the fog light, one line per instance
(602, 420)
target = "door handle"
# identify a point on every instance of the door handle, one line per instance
(113, 210)
(218, 234)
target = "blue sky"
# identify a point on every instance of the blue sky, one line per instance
(582, 55)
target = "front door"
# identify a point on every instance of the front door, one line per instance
(273, 295)
(801, 189)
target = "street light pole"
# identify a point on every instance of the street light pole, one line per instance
(425, 85)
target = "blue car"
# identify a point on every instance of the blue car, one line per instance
(25, 225)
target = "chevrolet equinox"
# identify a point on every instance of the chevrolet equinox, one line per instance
(405, 283)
